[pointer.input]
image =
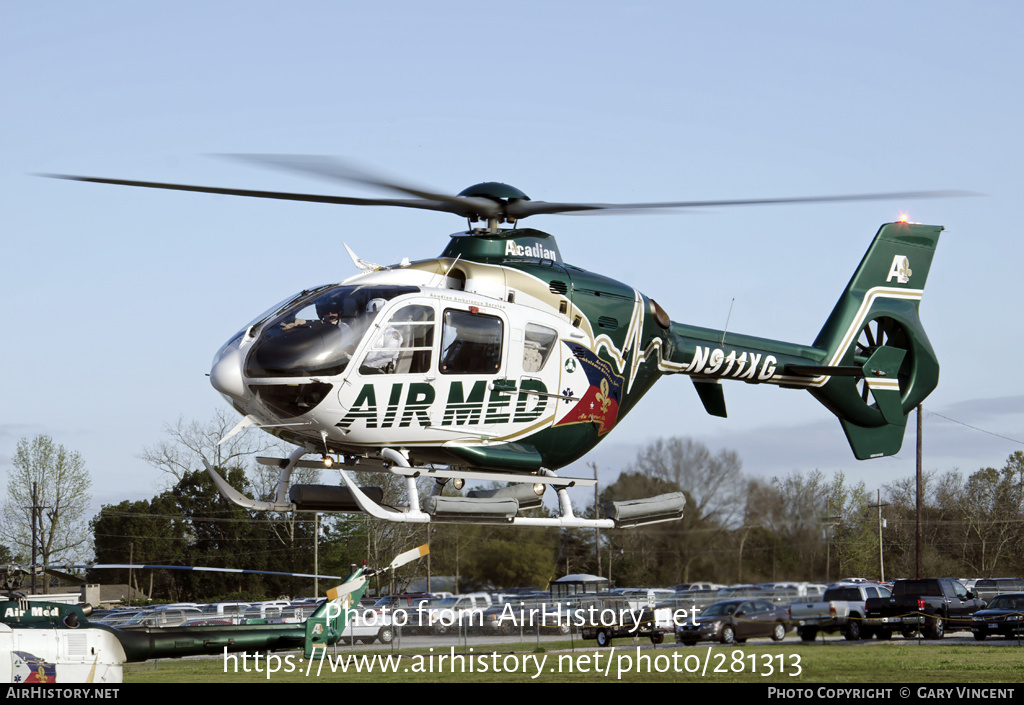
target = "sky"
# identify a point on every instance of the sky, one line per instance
(115, 299)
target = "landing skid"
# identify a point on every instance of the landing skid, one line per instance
(502, 506)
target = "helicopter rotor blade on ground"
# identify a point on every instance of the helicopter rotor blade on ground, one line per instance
(206, 569)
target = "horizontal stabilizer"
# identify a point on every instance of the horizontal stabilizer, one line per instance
(825, 370)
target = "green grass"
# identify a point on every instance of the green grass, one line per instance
(896, 662)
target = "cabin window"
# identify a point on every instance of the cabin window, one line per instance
(456, 279)
(471, 343)
(403, 345)
(537, 347)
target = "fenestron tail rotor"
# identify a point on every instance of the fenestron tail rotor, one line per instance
(876, 333)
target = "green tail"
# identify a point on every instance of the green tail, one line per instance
(325, 626)
(875, 328)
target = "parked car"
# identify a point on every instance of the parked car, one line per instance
(367, 626)
(457, 613)
(296, 614)
(808, 591)
(528, 615)
(605, 618)
(408, 610)
(407, 601)
(700, 586)
(1003, 616)
(933, 605)
(115, 619)
(987, 588)
(208, 622)
(229, 608)
(842, 609)
(162, 618)
(732, 621)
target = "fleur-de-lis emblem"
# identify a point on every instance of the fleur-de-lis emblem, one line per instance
(602, 396)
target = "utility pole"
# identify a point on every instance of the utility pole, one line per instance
(919, 548)
(430, 533)
(829, 521)
(131, 563)
(597, 531)
(35, 511)
(881, 561)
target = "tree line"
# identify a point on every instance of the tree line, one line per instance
(736, 528)
(809, 526)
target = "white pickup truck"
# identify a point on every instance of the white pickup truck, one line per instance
(368, 626)
(841, 609)
(458, 613)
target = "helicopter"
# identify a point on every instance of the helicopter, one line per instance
(51, 642)
(499, 361)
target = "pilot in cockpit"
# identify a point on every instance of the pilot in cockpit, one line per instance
(386, 348)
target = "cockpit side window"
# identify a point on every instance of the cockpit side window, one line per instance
(403, 345)
(471, 343)
(537, 346)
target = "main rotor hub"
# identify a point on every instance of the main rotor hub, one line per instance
(499, 193)
(495, 191)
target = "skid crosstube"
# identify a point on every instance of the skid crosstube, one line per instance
(480, 507)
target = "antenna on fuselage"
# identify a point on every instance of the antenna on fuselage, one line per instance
(727, 320)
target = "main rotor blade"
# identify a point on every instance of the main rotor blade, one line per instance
(469, 207)
(462, 209)
(339, 170)
(522, 209)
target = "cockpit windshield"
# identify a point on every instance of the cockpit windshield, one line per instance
(318, 334)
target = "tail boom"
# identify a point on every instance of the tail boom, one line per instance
(870, 365)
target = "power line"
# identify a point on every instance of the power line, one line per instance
(975, 428)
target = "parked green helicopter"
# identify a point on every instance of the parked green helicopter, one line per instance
(51, 642)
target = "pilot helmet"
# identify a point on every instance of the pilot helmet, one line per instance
(374, 305)
(326, 305)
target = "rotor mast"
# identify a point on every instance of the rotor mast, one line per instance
(502, 195)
